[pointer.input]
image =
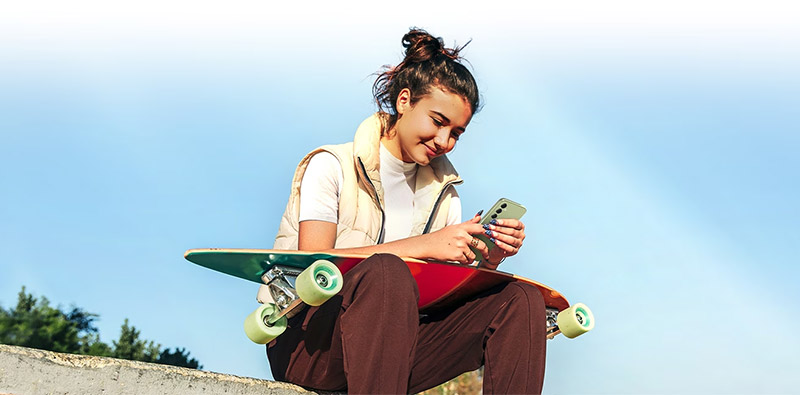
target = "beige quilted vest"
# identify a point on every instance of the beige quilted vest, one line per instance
(361, 214)
(360, 208)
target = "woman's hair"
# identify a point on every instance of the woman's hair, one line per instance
(427, 64)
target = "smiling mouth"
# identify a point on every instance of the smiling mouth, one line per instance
(431, 152)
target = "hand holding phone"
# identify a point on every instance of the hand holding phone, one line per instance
(503, 209)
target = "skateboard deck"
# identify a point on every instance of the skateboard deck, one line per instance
(440, 284)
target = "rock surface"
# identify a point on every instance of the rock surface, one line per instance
(30, 371)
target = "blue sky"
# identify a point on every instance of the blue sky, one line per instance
(653, 144)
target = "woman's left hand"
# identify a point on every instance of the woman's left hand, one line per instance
(509, 235)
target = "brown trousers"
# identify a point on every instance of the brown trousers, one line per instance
(370, 338)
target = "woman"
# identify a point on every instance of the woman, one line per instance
(391, 192)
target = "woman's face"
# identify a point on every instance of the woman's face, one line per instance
(428, 128)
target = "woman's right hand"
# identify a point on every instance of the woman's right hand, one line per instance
(452, 243)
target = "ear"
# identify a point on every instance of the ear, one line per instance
(403, 103)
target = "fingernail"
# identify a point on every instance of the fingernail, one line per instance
(493, 240)
(479, 213)
(488, 233)
(486, 226)
(493, 222)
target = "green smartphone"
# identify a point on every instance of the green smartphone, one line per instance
(503, 209)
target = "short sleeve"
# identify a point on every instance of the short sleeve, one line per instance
(320, 189)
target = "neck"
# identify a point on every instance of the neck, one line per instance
(392, 144)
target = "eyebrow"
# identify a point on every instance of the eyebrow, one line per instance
(446, 119)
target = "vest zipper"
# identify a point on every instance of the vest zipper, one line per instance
(377, 198)
(436, 205)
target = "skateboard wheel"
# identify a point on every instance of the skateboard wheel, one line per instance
(575, 320)
(257, 330)
(321, 280)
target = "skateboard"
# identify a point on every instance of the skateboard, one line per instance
(298, 278)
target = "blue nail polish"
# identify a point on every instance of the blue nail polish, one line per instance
(494, 222)
(493, 240)
(488, 233)
(486, 226)
(479, 213)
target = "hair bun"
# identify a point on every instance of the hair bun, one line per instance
(422, 46)
(428, 64)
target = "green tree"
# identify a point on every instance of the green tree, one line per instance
(129, 346)
(34, 323)
(97, 348)
(178, 358)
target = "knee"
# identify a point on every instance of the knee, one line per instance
(525, 299)
(389, 265)
(389, 272)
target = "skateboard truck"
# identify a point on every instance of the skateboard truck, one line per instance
(552, 323)
(291, 288)
(283, 292)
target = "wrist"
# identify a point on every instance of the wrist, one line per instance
(416, 247)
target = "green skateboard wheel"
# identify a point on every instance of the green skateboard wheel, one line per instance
(321, 280)
(257, 330)
(575, 320)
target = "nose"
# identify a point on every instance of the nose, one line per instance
(440, 140)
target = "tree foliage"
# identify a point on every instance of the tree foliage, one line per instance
(129, 346)
(34, 323)
(179, 358)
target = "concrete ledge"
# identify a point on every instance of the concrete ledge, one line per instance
(30, 371)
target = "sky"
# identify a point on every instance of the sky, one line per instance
(653, 143)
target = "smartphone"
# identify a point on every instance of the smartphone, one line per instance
(503, 209)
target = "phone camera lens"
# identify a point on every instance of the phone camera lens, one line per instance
(494, 216)
(503, 205)
(499, 211)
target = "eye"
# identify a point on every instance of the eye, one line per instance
(455, 135)
(437, 122)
